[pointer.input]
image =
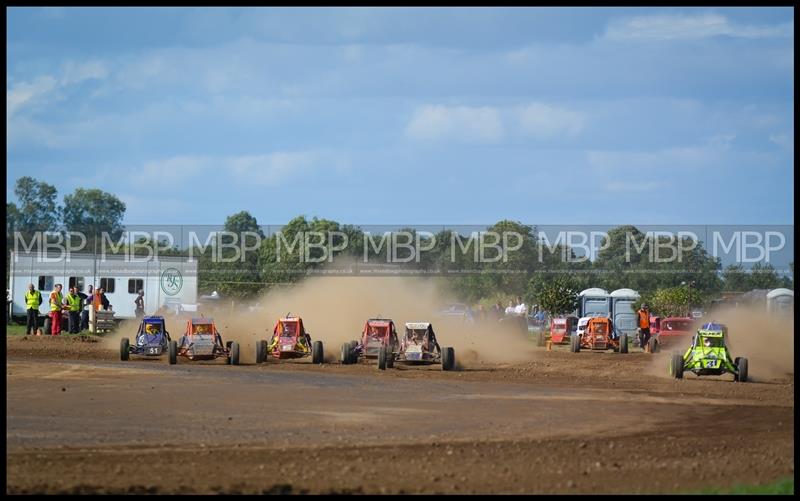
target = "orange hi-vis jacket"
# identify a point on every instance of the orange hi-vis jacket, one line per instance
(644, 319)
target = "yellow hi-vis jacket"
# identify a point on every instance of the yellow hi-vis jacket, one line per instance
(33, 299)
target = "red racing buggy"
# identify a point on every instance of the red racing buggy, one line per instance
(289, 340)
(202, 341)
(673, 331)
(377, 333)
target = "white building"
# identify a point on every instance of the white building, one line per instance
(164, 279)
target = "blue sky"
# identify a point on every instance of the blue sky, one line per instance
(409, 116)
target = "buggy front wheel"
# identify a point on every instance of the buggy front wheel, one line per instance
(652, 345)
(676, 366)
(345, 358)
(261, 351)
(382, 358)
(623, 343)
(741, 367)
(317, 353)
(234, 353)
(448, 359)
(124, 349)
(173, 352)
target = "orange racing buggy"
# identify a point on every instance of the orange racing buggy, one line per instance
(599, 335)
(377, 333)
(202, 341)
(289, 340)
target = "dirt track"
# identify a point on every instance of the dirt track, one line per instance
(81, 421)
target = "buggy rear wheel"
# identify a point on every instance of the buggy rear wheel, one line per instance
(124, 349)
(48, 323)
(676, 366)
(741, 366)
(574, 344)
(317, 353)
(261, 351)
(652, 345)
(382, 358)
(234, 354)
(346, 354)
(540, 339)
(623, 343)
(448, 359)
(173, 352)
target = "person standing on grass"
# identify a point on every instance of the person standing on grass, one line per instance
(73, 305)
(33, 299)
(56, 305)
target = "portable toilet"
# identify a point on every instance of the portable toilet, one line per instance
(594, 302)
(622, 313)
(780, 301)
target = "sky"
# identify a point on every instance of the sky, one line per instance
(409, 115)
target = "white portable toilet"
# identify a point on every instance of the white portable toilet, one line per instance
(594, 302)
(622, 313)
(780, 301)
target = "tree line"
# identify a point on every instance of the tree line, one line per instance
(536, 271)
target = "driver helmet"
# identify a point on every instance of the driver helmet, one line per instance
(151, 328)
(201, 329)
(707, 342)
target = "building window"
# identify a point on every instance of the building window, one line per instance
(135, 285)
(107, 284)
(45, 282)
(76, 282)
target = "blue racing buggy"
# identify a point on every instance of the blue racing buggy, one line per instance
(152, 339)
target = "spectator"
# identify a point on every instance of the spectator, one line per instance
(511, 308)
(101, 292)
(72, 303)
(481, 313)
(88, 299)
(521, 309)
(139, 302)
(33, 299)
(56, 305)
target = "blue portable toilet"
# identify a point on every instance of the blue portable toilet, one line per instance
(594, 302)
(780, 301)
(622, 313)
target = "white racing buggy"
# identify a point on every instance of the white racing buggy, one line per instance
(417, 347)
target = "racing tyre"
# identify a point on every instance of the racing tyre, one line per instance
(623, 343)
(124, 349)
(741, 365)
(676, 366)
(261, 350)
(382, 358)
(574, 344)
(540, 339)
(389, 358)
(317, 353)
(353, 355)
(448, 359)
(346, 356)
(173, 352)
(234, 353)
(652, 345)
(46, 326)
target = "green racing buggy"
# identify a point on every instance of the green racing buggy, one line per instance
(708, 356)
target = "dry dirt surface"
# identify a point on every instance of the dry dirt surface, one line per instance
(81, 421)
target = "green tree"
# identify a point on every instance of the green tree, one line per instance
(558, 295)
(672, 301)
(38, 208)
(93, 211)
(735, 279)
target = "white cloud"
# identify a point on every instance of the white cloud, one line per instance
(26, 93)
(76, 72)
(460, 123)
(270, 169)
(783, 140)
(690, 26)
(544, 121)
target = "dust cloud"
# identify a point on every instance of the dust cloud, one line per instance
(335, 308)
